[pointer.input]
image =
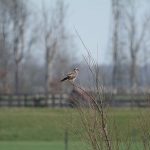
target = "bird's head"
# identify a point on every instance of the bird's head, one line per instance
(76, 69)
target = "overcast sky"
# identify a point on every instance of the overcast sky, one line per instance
(92, 20)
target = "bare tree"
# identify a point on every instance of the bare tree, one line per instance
(135, 39)
(19, 18)
(129, 39)
(5, 54)
(19, 37)
(17, 15)
(117, 46)
(17, 34)
(116, 17)
(54, 36)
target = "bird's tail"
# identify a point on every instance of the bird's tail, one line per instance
(64, 79)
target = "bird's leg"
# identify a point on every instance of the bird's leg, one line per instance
(71, 82)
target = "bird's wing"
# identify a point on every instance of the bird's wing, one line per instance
(71, 75)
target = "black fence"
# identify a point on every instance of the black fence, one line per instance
(34, 100)
(64, 100)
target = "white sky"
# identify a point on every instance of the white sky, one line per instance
(92, 20)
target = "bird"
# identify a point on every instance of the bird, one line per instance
(71, 76)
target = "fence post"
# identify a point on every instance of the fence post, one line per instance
(25, 100)
(53, 101)
(9, 100)
(60, 100)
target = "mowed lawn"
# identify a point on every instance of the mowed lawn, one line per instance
(40, 145)
(44, 128)
(34, 145)
(36, 124)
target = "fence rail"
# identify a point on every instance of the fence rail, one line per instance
(64, 100)
(31, 100)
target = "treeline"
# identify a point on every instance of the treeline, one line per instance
(37, 49)
(34, 45)
(105, 78)
(130, 43)
(128, 49)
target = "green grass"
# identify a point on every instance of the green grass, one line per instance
(55, 146)
(41, 146)
(43, 124)
(33, 124)
(44, 128)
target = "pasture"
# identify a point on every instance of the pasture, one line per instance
(44, 128)
(34, 145)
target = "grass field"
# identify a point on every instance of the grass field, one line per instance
(36, 124)
(56, 145)
(53, 146)
(43, 128)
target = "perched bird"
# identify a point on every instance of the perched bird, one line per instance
(71, 76)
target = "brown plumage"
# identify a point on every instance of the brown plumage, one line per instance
(71, 76)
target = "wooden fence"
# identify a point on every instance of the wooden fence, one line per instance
(34, 100)
(64, 100)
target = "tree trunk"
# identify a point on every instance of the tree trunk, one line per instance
(16, 78)
(115, 40)
(133, 74)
